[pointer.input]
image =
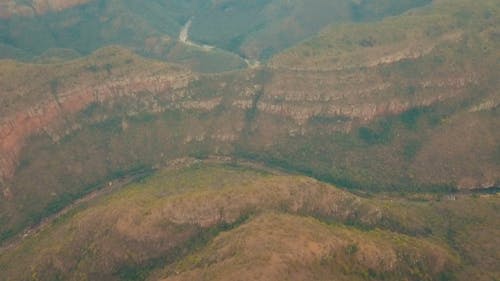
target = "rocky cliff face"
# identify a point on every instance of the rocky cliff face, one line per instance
(351, 97)
(53, 114)
(49, 117)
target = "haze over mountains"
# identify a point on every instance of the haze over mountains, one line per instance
(240, 151)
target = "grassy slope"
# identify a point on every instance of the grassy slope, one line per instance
(276, 225)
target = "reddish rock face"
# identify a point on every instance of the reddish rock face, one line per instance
(42, 117)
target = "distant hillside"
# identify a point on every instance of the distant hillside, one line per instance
(253, 29)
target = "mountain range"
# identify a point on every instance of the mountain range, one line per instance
(249, 140)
